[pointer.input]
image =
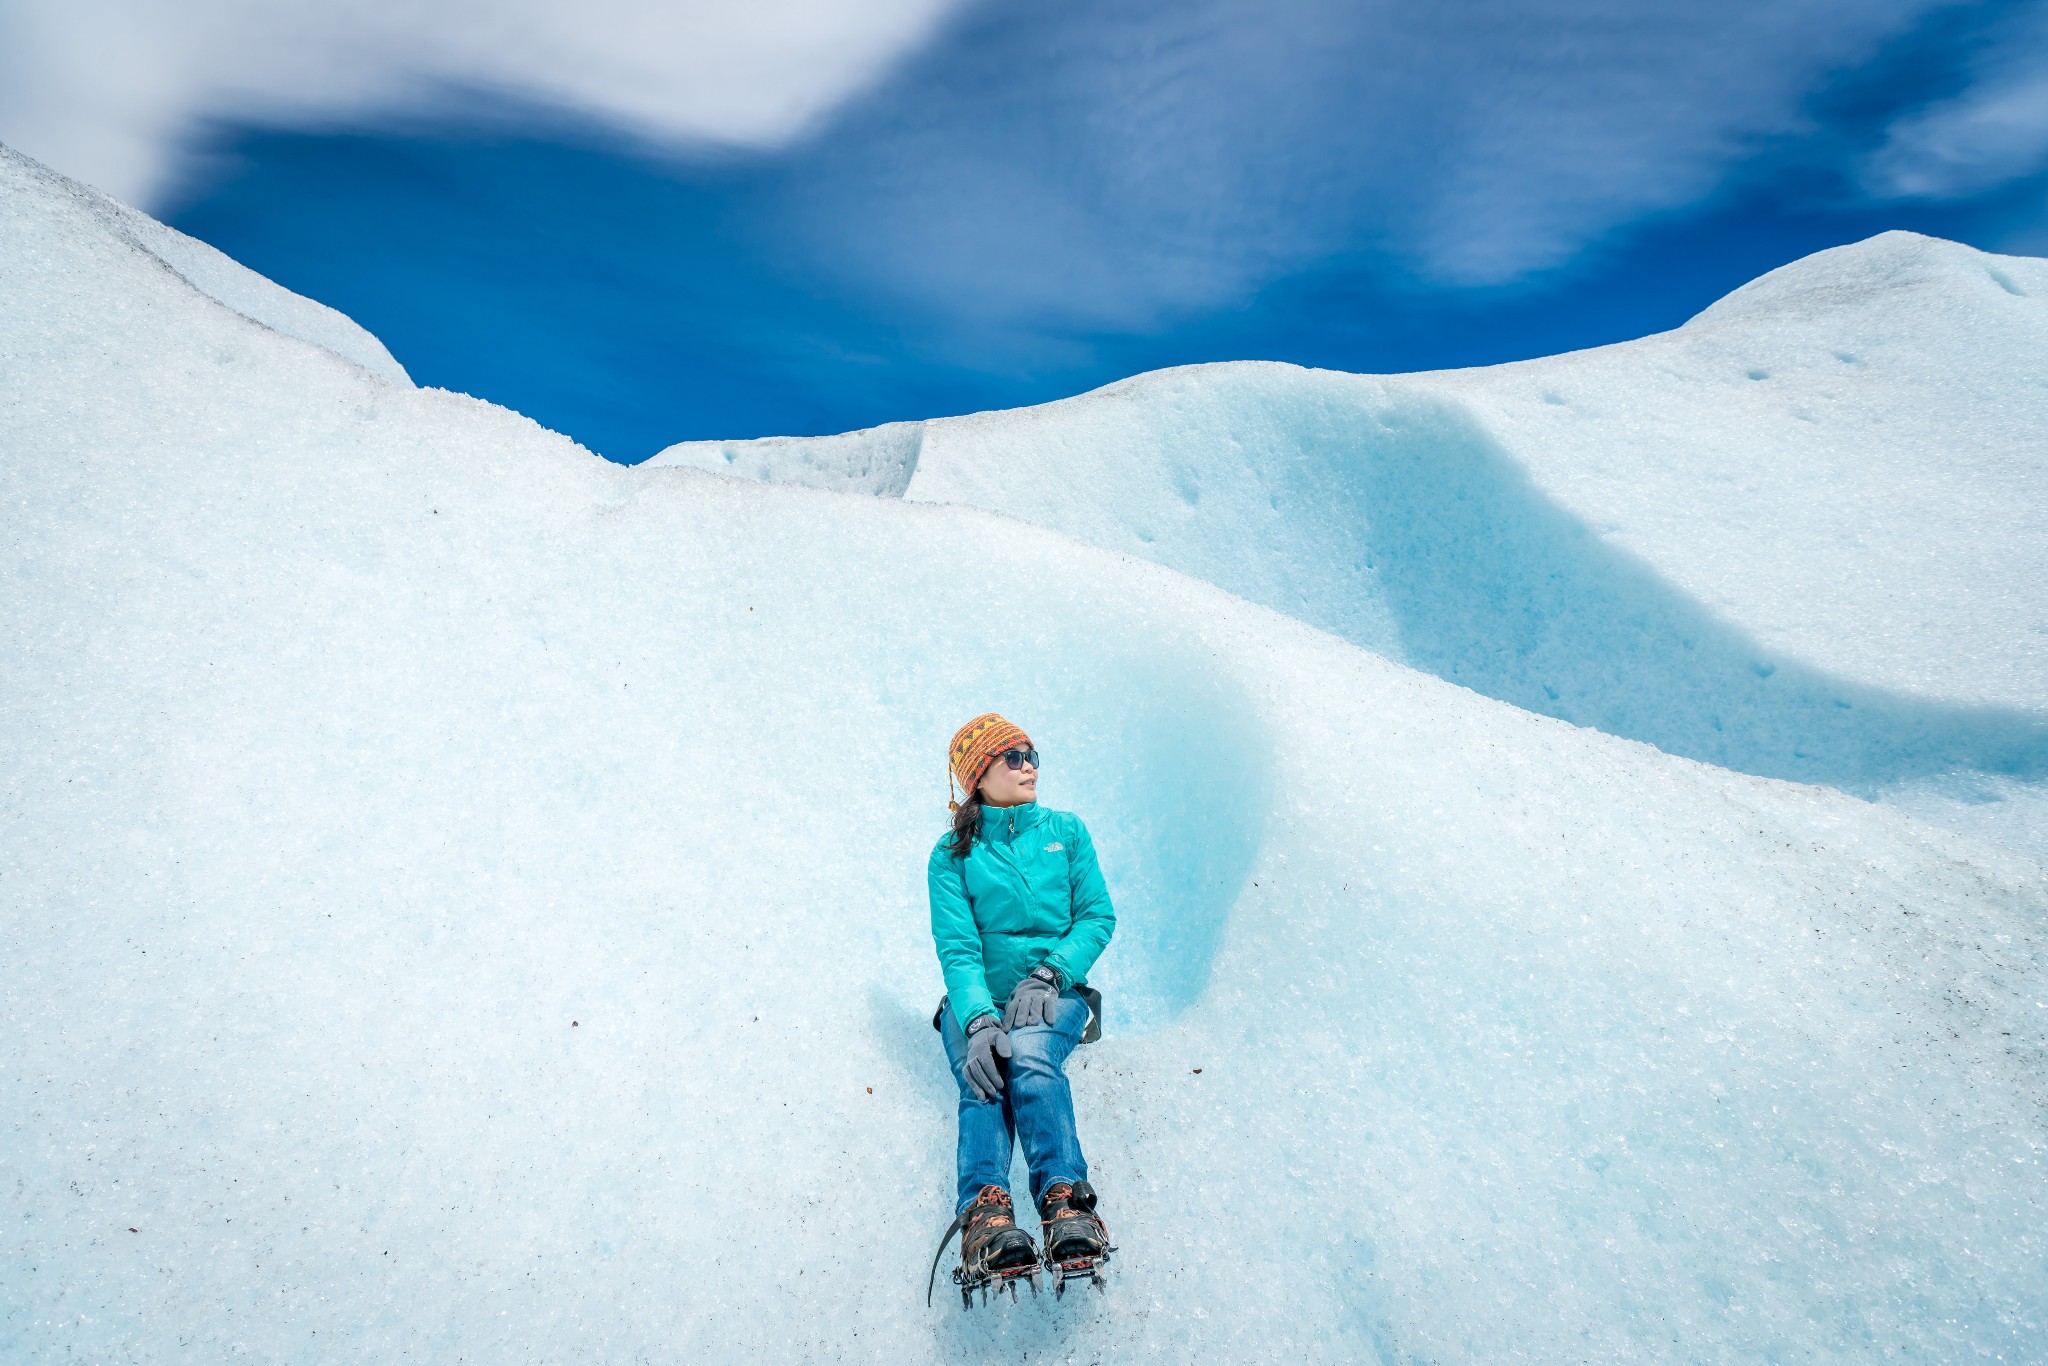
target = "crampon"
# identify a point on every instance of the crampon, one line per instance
(994, 1253)
(1077, 1245)
(995, 1281)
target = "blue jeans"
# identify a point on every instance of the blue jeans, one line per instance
(1036, 1106)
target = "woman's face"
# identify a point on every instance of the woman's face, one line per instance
(1006, 786)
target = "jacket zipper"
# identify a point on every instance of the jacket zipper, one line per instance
(1010, 857)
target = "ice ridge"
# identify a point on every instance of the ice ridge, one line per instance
(215, 275)
(1802, 536)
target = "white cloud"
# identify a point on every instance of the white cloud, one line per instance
(1139, 157)
(1095, 163)
(1991, 134)
(108, 90)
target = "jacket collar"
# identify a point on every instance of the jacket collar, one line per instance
(1005, 822)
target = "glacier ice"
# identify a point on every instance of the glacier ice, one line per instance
(425, 846)
(1803, 536)
(211, 272)
(879, 460)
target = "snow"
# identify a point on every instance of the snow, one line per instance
(461, 899)
(1804, 536)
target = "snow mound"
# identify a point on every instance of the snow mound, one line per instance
(462, 900)
(1804, 536)
(209, 271)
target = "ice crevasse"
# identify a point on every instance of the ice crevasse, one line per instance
(462, 899)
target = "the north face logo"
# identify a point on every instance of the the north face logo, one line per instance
(1054, 847)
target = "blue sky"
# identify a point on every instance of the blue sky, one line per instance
(964, 206)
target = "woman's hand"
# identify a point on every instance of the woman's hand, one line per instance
(1031, 1003)
(987, 1040)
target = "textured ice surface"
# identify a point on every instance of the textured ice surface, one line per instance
(461, 900)
(1848, 459)
(209, 271)
(1806, 535)
(877, 460)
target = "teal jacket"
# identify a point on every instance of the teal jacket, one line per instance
(1028, 892)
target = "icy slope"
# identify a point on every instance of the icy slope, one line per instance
(210, 272)
(460, 901)
(1805, 535)
(1847, 458)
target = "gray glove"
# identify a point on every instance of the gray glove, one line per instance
(986, 1041)
(1032, 1002)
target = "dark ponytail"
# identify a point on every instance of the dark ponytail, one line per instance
(966, 824)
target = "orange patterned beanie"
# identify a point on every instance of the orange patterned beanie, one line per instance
(975, 746)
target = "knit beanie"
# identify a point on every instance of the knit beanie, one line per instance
(975, 746)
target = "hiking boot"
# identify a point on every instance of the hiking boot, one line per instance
(1066, 1216)
(992, 1242)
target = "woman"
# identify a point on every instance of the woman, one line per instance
(1019, 915)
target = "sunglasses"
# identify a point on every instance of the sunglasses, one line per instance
(1017, 758)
